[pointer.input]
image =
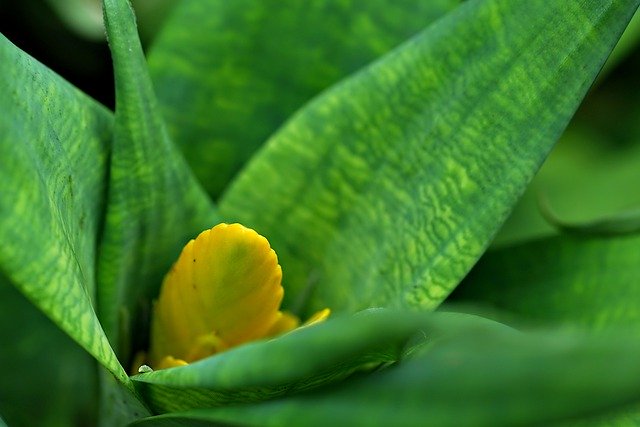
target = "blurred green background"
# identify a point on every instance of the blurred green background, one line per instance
(68, 36)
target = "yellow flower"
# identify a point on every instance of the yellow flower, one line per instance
(224, 290)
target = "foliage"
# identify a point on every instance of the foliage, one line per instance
(380, 146)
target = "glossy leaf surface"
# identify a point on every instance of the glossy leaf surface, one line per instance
(386, 189)
(54, 145)
(301, 360)
(228, 73)
(474, 379)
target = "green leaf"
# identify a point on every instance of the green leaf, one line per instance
(301, 360)
(53, 145)
(592, 172)
(488, 379)
(154, 204)
(228, 73)
(589, 177)
(627, 222)
(589, 281)
(628, 417)
(386, 189)
(628, 42)
(39, 353)
(118, 405)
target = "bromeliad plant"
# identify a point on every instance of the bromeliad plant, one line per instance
(378, 196)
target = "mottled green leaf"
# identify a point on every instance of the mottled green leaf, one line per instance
(301, 360)
(26, 357)
(228, 73)
(591, 281)
(474, 379)
(386, 189)
(154, 203)
(53, 149)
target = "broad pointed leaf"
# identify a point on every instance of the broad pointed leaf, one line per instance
(228, 73)
(53, 151)
(154, 204)
(301, 360)
(387, 188)
(488, 379)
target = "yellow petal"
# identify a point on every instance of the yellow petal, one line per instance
(285, 323)
(288, 322)
(206, 345)
(318, 317)
(170, 362)
(224, 289)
